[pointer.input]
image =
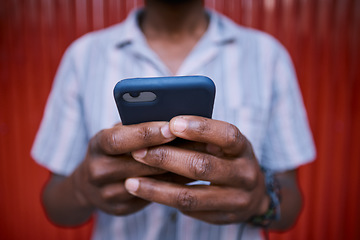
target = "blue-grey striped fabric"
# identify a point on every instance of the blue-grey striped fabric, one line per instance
(256, 90)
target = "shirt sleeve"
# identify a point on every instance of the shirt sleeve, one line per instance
(61, 142)
(288, 139)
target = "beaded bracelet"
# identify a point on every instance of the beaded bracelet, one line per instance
(273, 190)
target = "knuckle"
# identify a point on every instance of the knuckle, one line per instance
(186, 201)
(113, 141)
(253, 178)
(145, 133)
(247, 178)
(242, 202)
(95, 172)
(160, 156)
(200, 165)
(115, 193)
(106, 141)
(202, 126)
(250, 177)
(233, 136)
(108, 194)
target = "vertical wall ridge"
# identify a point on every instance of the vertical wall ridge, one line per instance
(322, 37)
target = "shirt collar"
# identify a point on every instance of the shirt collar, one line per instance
(221, 30)
(131, 31)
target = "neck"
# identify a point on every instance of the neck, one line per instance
(173, 18)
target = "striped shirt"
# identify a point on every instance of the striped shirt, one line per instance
(257, 91)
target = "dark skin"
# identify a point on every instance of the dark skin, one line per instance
(172, 28)
(127, 167)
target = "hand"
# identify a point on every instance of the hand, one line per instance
(99, 180)
(237, 191)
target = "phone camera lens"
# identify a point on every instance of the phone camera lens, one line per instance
(134, 94)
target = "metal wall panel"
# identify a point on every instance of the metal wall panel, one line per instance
(322, 37)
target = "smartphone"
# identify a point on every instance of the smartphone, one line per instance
(162, 98)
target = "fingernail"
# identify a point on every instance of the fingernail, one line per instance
(139, 154)
(165, 131)
(132, 185)
(180, 125)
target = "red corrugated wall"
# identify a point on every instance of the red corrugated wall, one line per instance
(322, 36)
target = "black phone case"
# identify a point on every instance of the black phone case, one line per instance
(185, 95)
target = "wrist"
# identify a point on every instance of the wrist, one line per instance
(270, 206)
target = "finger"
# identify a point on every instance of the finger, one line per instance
(197, 146)
(115, 169)
(188, 198)
(115, 193)
(218, 217)
(172, 177)
(125, 208)
(200, 166)
(122, 139)
(186, 144)
(219, 133)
